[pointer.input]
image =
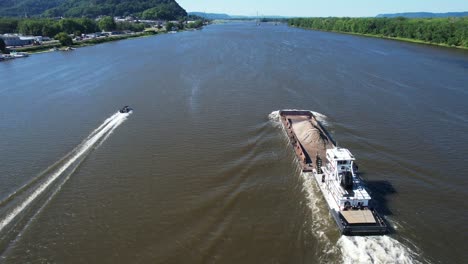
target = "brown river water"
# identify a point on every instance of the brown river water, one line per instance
(201, 171)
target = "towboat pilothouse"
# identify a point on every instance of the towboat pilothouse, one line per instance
(336, 174)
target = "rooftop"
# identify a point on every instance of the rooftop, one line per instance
(340, 154)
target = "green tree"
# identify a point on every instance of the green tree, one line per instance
(70, 25)
(169, 26)
(31, 27)
(195, 24)
(8, 25)
(164, 12)
(130, 26)
(88, 25)
(150, 14)
(107, 23)
(64, 38)
(50, 29)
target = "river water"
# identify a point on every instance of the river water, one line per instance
(201, 171)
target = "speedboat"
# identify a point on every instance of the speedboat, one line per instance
(125, 109)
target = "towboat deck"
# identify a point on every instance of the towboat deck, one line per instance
(358, 216)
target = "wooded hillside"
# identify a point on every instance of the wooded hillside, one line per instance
(155, 9)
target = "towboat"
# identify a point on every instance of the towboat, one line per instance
(335, 172)
(125, 109)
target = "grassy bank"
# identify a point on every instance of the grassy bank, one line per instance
(95, 41)
(37, 49)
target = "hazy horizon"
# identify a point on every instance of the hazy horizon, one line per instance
(319, 8)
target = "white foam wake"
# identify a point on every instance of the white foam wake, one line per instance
(375, 249)
(323, 119)
(274, 116)
(98, 135)
(322, 223)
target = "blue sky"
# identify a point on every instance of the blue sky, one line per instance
(350, 8)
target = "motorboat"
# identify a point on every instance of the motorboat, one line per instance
(125, 109)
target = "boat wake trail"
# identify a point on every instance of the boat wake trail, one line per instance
(20, 207)
(322, 227)
(375, 249)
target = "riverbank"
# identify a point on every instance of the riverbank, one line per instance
(386, 37)
(91, 42)
(399, 39)
(84, 43)
(443, 32)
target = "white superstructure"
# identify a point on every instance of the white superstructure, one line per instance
(340, 165)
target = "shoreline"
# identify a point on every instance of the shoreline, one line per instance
(91, 42)
(389, 38)
(47, 48)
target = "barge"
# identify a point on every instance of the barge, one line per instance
(335, 172)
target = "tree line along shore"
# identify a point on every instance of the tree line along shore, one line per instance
(85, 31)
(450, 31)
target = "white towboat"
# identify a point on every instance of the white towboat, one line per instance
(336, 174)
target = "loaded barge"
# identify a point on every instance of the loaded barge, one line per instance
(336, 174)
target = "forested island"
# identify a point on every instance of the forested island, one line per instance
(451, 31)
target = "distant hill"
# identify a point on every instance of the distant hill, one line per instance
(425, 14)
(162, 9)
(214, 16)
